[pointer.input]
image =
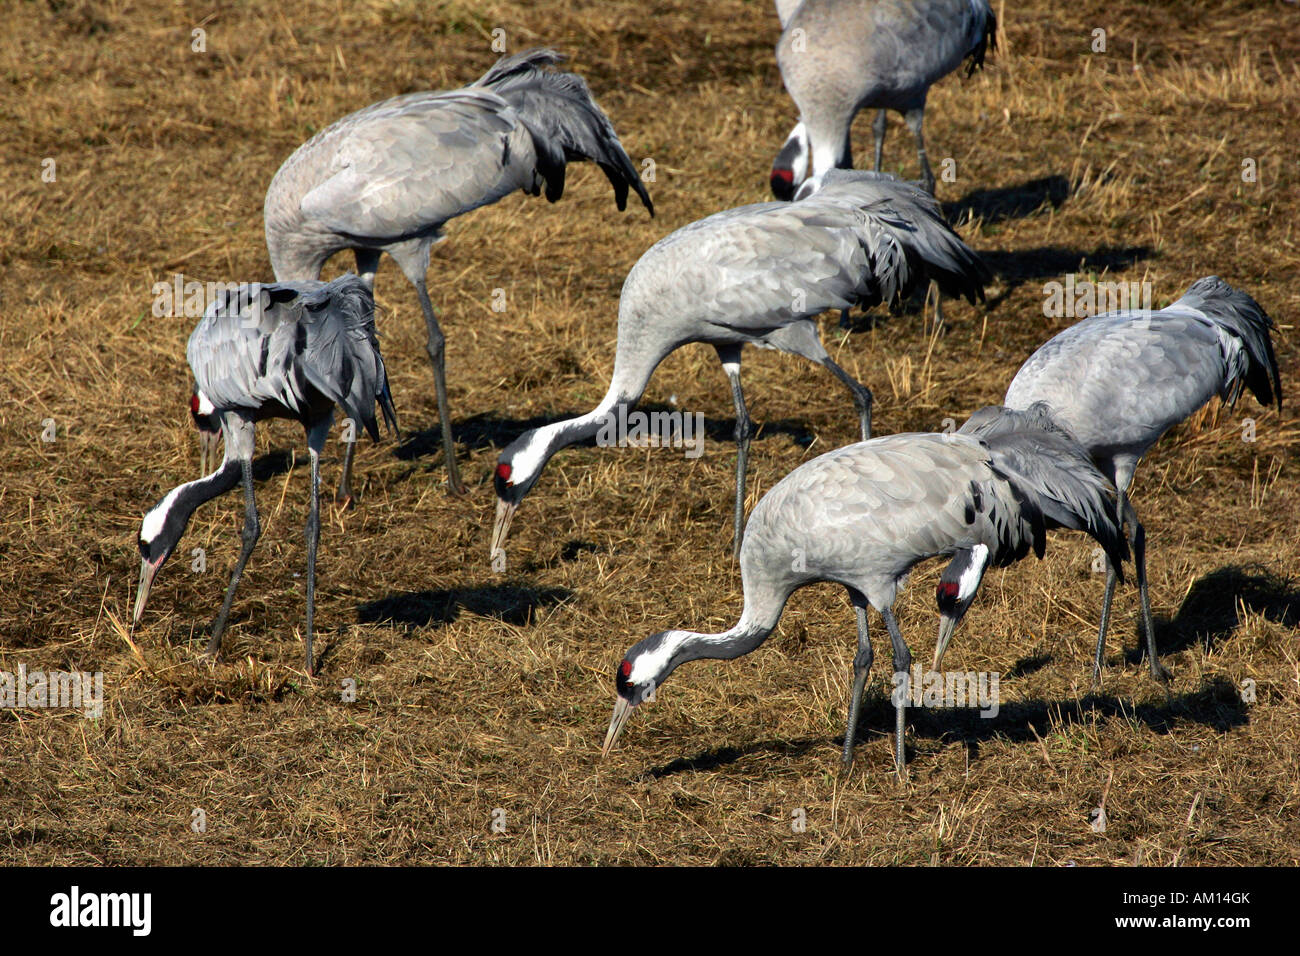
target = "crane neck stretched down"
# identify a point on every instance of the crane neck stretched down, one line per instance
(648, 664)
(523, 460)
(163, 526)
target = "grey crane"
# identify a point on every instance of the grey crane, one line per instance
(759, 275)
(863, 517)
(1119, 381)
(389, 177)
(841, 56)
(1032, 443)
(285, 350)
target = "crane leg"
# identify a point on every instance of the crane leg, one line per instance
(861, 395)
(367, 266)
(730, 358)
(437, 352)
(878, 128)
(1112, 577)
(1138, 542)
(344, 496)
(939, 326)
(252, 531)
(915, 118)
(861, 667)
(313, 540)
(903, 666)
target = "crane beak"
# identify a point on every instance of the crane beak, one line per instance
(207, 450)
(501, 526)
(147, 572)
(946, 626)
(622, 711)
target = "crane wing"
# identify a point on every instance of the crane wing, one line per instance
(403, 167)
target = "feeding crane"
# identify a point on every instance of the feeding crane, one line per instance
(841, 56)
(863, 517)
(286, 350)
(759, 275)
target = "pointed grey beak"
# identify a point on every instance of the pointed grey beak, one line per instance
(207, 451)
(147, 572)
(622, 711)
(946, 626)
(501, 526)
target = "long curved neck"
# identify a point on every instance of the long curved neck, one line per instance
(763, 607)
(626, 387)
(170, 516)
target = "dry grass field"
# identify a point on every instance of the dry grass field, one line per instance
(480, 691)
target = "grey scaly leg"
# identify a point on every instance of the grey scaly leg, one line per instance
(915, 118)
(730, 358)
(862, 399)
(861, 667)
(878, 127)
(252, 531)
(902, 665)
(1138, 542)
(437, 354)
(313, 539)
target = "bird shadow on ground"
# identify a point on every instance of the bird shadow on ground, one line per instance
(491, 431)
(1212, 609)
(722, 756)
(1216, 704)
(1028, 665)
(271, 464)
(1019, 266)
(1008, 202)
(507, 602)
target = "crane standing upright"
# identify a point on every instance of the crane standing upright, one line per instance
(389, 177)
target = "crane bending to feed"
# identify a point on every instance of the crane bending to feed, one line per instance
(389, 177)
(841, 56)
(863, 516)
(1118, 381)
(288, 350)
(759, 275)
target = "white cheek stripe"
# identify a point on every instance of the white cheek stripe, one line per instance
(152, 525)
(205, 405)
(647, 665)
(970, 578)
(528, 459)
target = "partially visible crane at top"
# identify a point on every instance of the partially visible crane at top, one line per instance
(841, 56)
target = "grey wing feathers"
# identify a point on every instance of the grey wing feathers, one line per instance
(273, 343)
(1244, 318)
(413, 162)
(1044, 461)
(565, 122)
(912, 221)
(987, 41)
(340, 351)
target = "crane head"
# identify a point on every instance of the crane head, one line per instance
(790, 167)
(958, 585)
(645, 668)
(517, 470)
(159, 532)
